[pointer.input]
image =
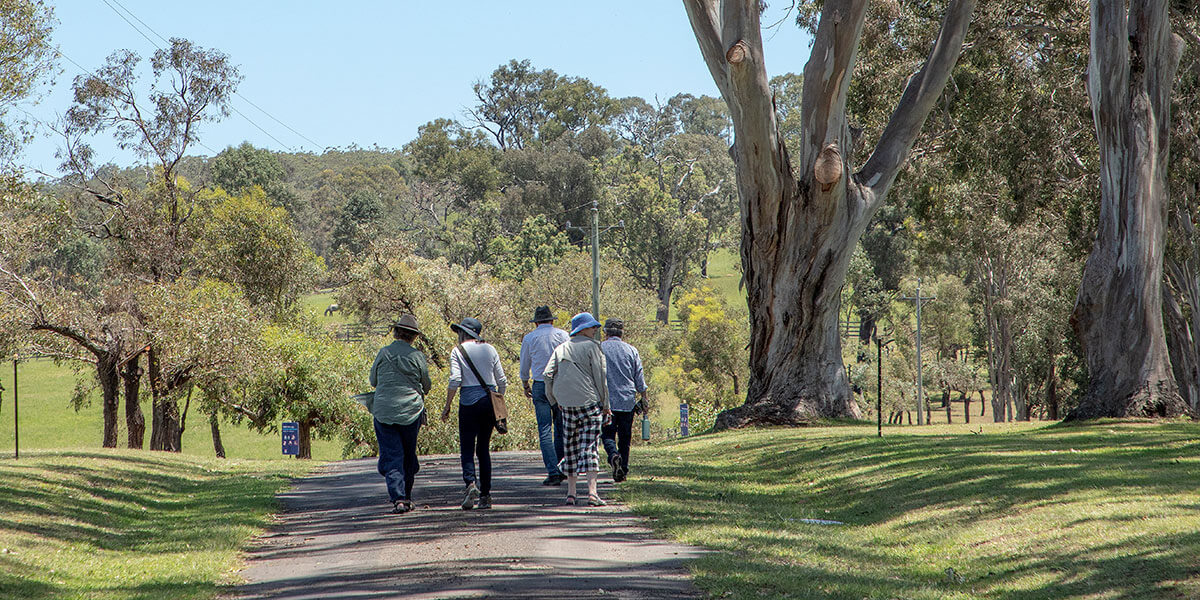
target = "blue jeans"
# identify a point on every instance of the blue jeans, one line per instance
(550, 429)
(398, 457)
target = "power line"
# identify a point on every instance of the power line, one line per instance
(238, 94)
(140, 32)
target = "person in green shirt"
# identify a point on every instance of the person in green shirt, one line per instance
(400, 377)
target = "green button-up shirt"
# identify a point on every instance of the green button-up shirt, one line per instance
(401, 380)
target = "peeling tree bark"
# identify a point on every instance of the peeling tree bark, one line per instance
(1118, 312)
(799, 231)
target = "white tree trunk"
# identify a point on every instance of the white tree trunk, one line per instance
(1118, 312)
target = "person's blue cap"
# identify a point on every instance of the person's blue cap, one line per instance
(582, 321)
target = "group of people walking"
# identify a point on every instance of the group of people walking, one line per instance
(584, 392)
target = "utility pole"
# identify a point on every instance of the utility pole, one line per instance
(595, 231)
(596, 259)
(920, 373)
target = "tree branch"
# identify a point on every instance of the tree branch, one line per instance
(919, 97)
(827, 79)
(703, 16)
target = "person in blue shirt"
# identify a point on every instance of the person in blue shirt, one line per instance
(536, 348)
(625, 382)
(400, 377)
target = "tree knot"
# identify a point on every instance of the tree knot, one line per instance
(828, 168)
(737, 52)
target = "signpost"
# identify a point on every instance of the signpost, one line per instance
(16, 415)
(290, 432)
(683, 419)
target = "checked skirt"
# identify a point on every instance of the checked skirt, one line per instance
(583, 433)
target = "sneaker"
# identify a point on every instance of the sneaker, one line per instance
(401, 506)
(472, 495)
(619, 473)
(551, 480)
(614, 461)
(485, 501)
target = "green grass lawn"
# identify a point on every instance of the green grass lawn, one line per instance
(123, 524)
(49, 422)
(1017, 511)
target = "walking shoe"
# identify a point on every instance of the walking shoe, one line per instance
(401, 506)
(472, 496)
(614, 461)
(551, 480)
(619, 473)
(485, 501)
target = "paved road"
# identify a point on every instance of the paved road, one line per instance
(337, 539)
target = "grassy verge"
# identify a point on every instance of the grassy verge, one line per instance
(126, 525)
(1015, 511)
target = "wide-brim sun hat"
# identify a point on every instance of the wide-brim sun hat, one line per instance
(470, 326)
(542, 314)
(583, 321)
(407, 322)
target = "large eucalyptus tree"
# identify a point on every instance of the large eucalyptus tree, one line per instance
(1118, 313)
(802, 220)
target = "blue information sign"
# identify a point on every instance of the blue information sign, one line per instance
(683, 419)
(290, 431)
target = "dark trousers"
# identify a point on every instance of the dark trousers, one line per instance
(398, 457)
(617, 436)
(475, 424)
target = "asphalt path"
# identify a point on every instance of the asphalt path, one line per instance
(337, 539)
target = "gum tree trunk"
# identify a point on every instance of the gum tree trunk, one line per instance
(135, 421)
(799, 231)
(1118, 313)
(110, 387)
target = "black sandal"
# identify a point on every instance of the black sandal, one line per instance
(570, 500)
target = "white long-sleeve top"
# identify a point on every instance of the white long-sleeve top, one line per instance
(485, 358)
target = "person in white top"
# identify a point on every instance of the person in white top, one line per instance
(536, 348)
(476, 416)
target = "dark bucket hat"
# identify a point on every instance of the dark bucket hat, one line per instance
(542, 314)
(614, 326)
(407, 322)
(470, 326)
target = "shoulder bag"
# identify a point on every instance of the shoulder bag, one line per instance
(498, 405)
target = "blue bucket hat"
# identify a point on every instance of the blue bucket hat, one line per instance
(470, 326)
(582, 321)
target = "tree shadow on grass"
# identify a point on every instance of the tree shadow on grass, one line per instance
(907, 500)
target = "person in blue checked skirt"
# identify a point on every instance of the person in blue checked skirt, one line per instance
(576, 381)
(400, 377)
(536, 348)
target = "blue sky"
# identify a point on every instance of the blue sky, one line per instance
(371, 72)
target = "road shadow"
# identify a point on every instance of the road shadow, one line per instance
(337, 538)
